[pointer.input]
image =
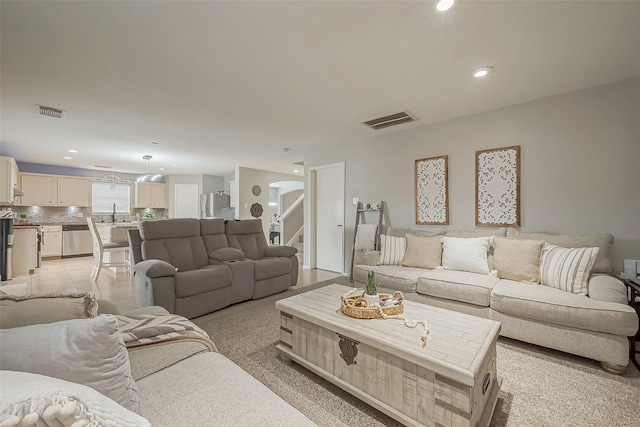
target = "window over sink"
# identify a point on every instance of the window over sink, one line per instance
(104, 195)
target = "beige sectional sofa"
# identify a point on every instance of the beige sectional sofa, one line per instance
(87, 376)
(193, 267)
(595, 324)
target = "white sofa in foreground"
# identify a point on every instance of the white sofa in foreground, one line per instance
(579, 308)
(72, 368)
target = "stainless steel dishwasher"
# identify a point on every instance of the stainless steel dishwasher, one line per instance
(76, 240)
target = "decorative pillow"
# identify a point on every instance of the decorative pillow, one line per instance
(423, 252)
(392, 250)
(83, 351)
(517, 259)
(567, 269)
(36, 309)
(30, 399)
(466, 254)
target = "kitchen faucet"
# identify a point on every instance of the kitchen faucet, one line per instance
(113, 216)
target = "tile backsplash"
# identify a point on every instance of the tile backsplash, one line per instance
(66, 215)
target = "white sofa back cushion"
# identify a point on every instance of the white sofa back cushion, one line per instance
(37, 400)
(466, 254)
(84, 351)
(567, 269)
(392, 250)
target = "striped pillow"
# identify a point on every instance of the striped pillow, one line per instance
(567, 269)
(392, 250)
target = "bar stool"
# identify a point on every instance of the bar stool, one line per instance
(100, 248)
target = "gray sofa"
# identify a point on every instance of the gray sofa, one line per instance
(193, 267)
(595, 326)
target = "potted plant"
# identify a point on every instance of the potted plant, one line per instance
(371, 290)
(23, 215)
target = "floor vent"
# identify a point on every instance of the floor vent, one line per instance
(390, 120)
(51, 112)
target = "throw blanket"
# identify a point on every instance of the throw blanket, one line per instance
(366, 237)
(147, 329)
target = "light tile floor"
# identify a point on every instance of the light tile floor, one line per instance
(72, 275)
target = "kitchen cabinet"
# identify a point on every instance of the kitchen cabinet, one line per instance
(51, 241)
(8, 180)
(74, 191)
(150, 195)
(25, 251)
(53, 190)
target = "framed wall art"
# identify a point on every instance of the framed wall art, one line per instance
(432, 191)
(498, 187)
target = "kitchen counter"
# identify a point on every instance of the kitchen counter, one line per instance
(130, 224)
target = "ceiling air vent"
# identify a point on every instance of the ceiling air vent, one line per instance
(390, 120)
(51, 112)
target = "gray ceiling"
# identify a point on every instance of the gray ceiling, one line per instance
(225, 84)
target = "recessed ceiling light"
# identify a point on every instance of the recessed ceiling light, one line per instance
(295, 171)
(72, 151)
(154, 142)
(174, 165)
(482, 71)
(161, 169)
(67, 157)
(444, 5)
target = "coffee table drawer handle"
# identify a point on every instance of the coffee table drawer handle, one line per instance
(349, 349)
(486, 382)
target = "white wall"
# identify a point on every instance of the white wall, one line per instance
(247, 178)
(580, 154)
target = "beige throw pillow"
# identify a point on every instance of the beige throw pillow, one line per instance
(84, 351)
(37, 309)
(567, 269)
(423, 252)
(517, 259)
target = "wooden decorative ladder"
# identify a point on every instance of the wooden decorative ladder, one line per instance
(361, 210)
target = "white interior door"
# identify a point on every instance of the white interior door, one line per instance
(187, 201)
(329, 218)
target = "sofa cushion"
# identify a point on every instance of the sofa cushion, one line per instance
(462, 286)
(212, 231)
(248, 236)
(226, 254)
(30, 399)
(603, 287)
(169, 228)
(184, 253)
(551, 305)
(209, 389)
(393, 277)
(268, 268)
(466, 254)
(392, 250)
(85, 351)
(422, 252)
(603, 263)
(501, 232)
(517, 259)
(402, 232)
(567, 268)
(205, 279)
(37, 309)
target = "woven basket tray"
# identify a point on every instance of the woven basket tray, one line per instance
(357, 306)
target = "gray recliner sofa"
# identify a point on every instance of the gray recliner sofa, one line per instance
(193, 267)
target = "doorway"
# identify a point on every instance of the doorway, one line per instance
(327, 217)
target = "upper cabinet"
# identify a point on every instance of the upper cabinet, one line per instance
(74, 191)
(8, 180)
(53, 190)
(150, 195)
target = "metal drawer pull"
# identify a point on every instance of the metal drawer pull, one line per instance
(486, 382)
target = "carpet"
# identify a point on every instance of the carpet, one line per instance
(541, 387)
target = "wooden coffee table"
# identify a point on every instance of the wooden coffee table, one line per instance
(450, 382)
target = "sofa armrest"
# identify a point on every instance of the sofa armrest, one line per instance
(226, 254)
(279, 251)
(155, 268)
(606, 288)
